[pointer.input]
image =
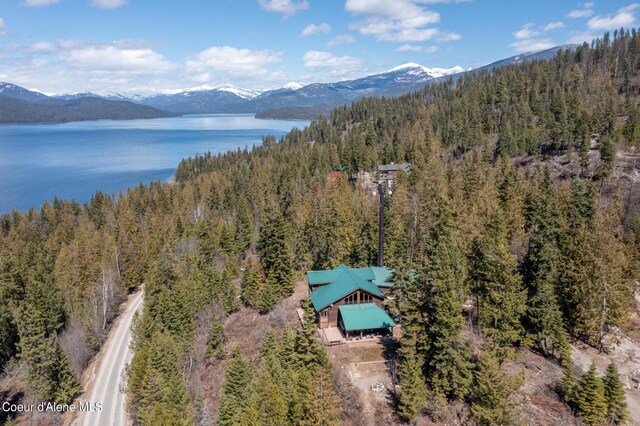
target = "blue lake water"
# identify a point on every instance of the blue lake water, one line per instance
(73, 160)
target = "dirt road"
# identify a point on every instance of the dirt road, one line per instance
(104, 385)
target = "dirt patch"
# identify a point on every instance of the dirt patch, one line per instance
(364, 367)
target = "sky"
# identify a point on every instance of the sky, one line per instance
(150, 46)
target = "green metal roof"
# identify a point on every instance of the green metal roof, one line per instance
(340, 282)
(365, 316)
(382, 276)
(405, 167)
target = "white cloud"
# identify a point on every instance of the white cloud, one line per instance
(409, 48)
(286, 7)
(449, 37)
(552, 26)
(312, 29)
(3, 27)
(320, 59)
(585, 12)
(631, 7)
(532, 45)
(108, 4)
(115, 57)
(341, 39)
(397, 21)
(413, 48)
(39, 3)
(333, 67)
(526, 32)
(231, 59)
(624, 18)
(579, 37)
(42, 47)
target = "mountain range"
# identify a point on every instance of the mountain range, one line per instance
(293, 100)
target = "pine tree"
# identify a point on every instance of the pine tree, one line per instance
(617, 412)
(493, 391)
(498, 286)
(37, 350)
(235, 389)
(568, 387)
(590, 399)
(322, 405)
(414, 392)
(275, 253)
(448, 369)
(608, 157)
(216, 340)
(309, 352)
(251, 284)
(269, 400)
(269, 296)
(540, 269)
(65, 379)
(163, 391)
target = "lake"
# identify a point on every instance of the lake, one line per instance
(73, 160)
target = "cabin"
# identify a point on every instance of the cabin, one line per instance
(351, 299)
(388, 172)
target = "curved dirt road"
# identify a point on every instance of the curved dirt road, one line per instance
(104, 385)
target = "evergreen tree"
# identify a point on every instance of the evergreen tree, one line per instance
(251, 284)
(493, 391)
(37, 350)
(608, 157)
(498, 286)
(275, 253)
(322, 405)
(269, 296)
(617, 412)
(235, 389)
(568, 386)
(163, 391)
(309, 352)
(414, 392)
(269, 401)
(540, 269)
(65, 379)
(216, 341)
(590, 399)
(448, 369)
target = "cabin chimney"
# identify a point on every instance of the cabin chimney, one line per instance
(381, 226)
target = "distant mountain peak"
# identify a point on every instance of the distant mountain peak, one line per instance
(243, 93)
(240, 92)
(416, 69)
(408, 65)
(293, 86)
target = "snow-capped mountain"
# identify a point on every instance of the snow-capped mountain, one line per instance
(239, 92)
(292, 86)
(17, 92)
(111, 96)
(411, 68)
(202, 99)
(291, 100)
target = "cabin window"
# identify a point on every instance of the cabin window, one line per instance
(324, 313)
(365, 298)
(351, 300)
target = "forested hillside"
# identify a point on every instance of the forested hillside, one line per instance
(515, 205)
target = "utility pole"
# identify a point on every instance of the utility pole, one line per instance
(381, 226)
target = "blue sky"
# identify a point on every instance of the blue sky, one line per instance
(143, 46)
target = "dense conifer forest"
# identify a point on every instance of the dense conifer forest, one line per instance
(513, 206)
